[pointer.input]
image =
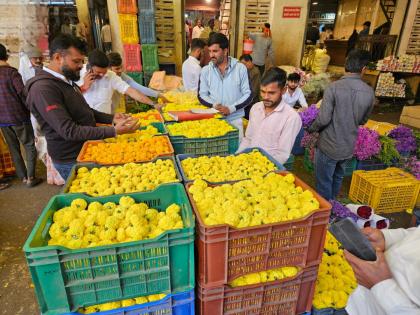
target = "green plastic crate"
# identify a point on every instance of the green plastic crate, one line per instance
(149, 53)
(160, 126)
(137, 76)
(147, 78)
(227, 144)
(289, 163)
(67, 279)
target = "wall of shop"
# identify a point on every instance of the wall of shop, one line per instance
(288, 33)
(117, 45)
(407, 27)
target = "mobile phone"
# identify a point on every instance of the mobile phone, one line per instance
(88, 67)
(349, 235)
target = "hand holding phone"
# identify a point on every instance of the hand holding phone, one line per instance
(352, 239)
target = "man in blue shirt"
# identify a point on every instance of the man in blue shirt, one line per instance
(224, 83)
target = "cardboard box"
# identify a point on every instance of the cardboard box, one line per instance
(411, 116)
(380, 127)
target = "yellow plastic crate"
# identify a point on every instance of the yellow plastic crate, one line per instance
(387, 191)
(129, 28)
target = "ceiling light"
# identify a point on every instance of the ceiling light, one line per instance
(314, 3)
(208, 1)
(186, 15)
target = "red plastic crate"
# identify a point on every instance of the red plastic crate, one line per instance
(132, 57)
(225, 253)
(282, 297)
(127, 6)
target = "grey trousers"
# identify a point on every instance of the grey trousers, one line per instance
(16, 135)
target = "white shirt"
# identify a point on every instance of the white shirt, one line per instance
(26, 70)
(297, 95)
(191, 70)
(401, 294)
(99, 95)
(196, 33)
(106, 33)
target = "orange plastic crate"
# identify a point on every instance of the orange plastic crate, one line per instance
(387, 191)
(225, 253)
(132, 57)
(281, 297)
(127, 6)
(129, 28)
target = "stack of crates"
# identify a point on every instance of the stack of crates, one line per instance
(225, 253)
(127, 13)
(147, 29)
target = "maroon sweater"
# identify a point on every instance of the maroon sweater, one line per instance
(64, 116)
(13, 110)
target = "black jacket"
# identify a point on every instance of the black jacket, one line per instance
(64, 116)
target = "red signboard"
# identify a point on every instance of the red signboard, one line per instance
(291, 12)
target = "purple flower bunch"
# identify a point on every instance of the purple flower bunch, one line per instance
(341, 211)
(309, 139)
(404, 138)
(413, 166)
(308, 116)
(367, 144)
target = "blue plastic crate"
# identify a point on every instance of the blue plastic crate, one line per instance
(328, 311)
(370, 165)
(181, 157)
(173, 304)
(146, 6)
(147, 27)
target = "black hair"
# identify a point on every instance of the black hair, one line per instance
(293, 77)
(98, 58)
(3, 53)
(367, 23)
(106, 21)
(356, 60)
(218, 38)
(62, 42)
(267, 25)
(114, 59)
(314, 23)
(197, 43)
(245, 57)
(274, 75)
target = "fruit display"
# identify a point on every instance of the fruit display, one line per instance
(146, 118)
(403, 63)
(136, 136)
(265, 276)
(387, 87)
(127, 178)
(124, 303)
(206, 128)
(259, 200)
(125, 152)
(227, 168)
(336, 280)
(83, 225)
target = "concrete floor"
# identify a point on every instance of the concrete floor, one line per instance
(19, 209)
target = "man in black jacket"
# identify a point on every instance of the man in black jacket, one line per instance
(61, 110)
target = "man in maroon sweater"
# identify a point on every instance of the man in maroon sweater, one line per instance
(61, 110)
(15, 121)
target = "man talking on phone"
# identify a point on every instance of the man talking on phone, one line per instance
(391, 284)
(98, 84)
(61, 110)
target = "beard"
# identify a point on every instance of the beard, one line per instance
(270, 104)
(218, 61)
(70, 74)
